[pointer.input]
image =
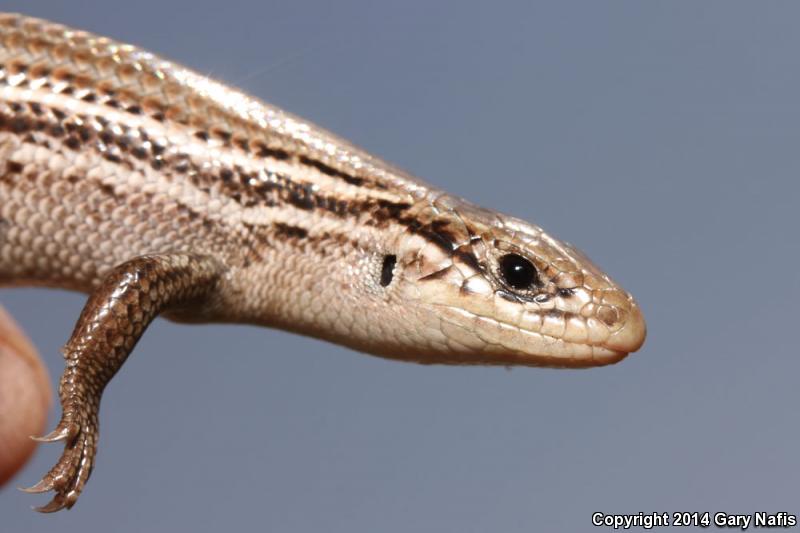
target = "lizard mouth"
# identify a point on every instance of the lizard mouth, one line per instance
(492, 341)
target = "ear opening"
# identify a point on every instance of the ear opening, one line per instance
(387, 270)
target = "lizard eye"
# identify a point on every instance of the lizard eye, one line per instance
(518, 272)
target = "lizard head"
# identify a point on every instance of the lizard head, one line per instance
(492, 289)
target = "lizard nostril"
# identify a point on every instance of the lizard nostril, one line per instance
(631, 335)
(610, 316)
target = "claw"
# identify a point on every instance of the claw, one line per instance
(56, 504)
(68, 477)
(43, 486)
(60, 433)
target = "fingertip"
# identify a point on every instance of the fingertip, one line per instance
(24, 397)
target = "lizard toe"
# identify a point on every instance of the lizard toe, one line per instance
(69, 475)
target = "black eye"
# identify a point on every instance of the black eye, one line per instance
(387, 271)
(518, 272)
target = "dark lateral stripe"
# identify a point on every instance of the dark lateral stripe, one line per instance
(124, 149)
(348, 178)
(264, 237)
(248, 146)
(442, 239)
(86, 89)
(246, 188)
(437, 233)
(330, 171)
(288, 231)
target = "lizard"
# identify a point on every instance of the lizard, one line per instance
(161, 192)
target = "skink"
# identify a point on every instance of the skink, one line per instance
(160, 192)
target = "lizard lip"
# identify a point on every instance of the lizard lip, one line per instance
(631, 336)
(561, 353)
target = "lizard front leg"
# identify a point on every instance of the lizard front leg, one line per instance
(114, 317)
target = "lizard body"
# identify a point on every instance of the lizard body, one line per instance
(160, 192)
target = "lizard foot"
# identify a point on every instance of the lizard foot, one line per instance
(68, 477)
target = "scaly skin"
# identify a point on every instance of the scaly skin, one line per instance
(159, 191)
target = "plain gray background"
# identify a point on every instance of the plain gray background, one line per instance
(659, 137)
